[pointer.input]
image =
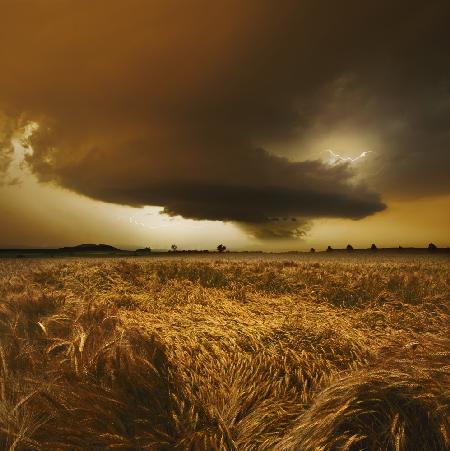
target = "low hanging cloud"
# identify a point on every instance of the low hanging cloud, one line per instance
(262, 192)
(176, 105)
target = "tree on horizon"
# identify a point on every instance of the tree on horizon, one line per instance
(221, 248)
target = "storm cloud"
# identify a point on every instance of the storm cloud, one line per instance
(179, 104)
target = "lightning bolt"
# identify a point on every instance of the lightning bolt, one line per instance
(335, 158)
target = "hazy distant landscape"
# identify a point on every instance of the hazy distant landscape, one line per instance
(299, 352)
(106, 250)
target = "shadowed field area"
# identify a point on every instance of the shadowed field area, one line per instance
(292, 353)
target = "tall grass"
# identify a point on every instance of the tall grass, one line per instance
(227, 354)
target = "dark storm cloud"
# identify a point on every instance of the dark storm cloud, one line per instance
(167, 103)
(275, 188)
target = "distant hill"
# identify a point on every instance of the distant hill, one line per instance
(89, 248)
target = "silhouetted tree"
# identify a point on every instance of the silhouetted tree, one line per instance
(373, 247)
(221, 248)
(400, 248)
(329, 249)
(174, 247)
(432, 247)
(312, 250)
(349, 247)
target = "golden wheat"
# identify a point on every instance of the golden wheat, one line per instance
(224, 353)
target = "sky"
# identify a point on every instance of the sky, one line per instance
(263, 125)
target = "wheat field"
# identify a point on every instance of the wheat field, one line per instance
(224, 352)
